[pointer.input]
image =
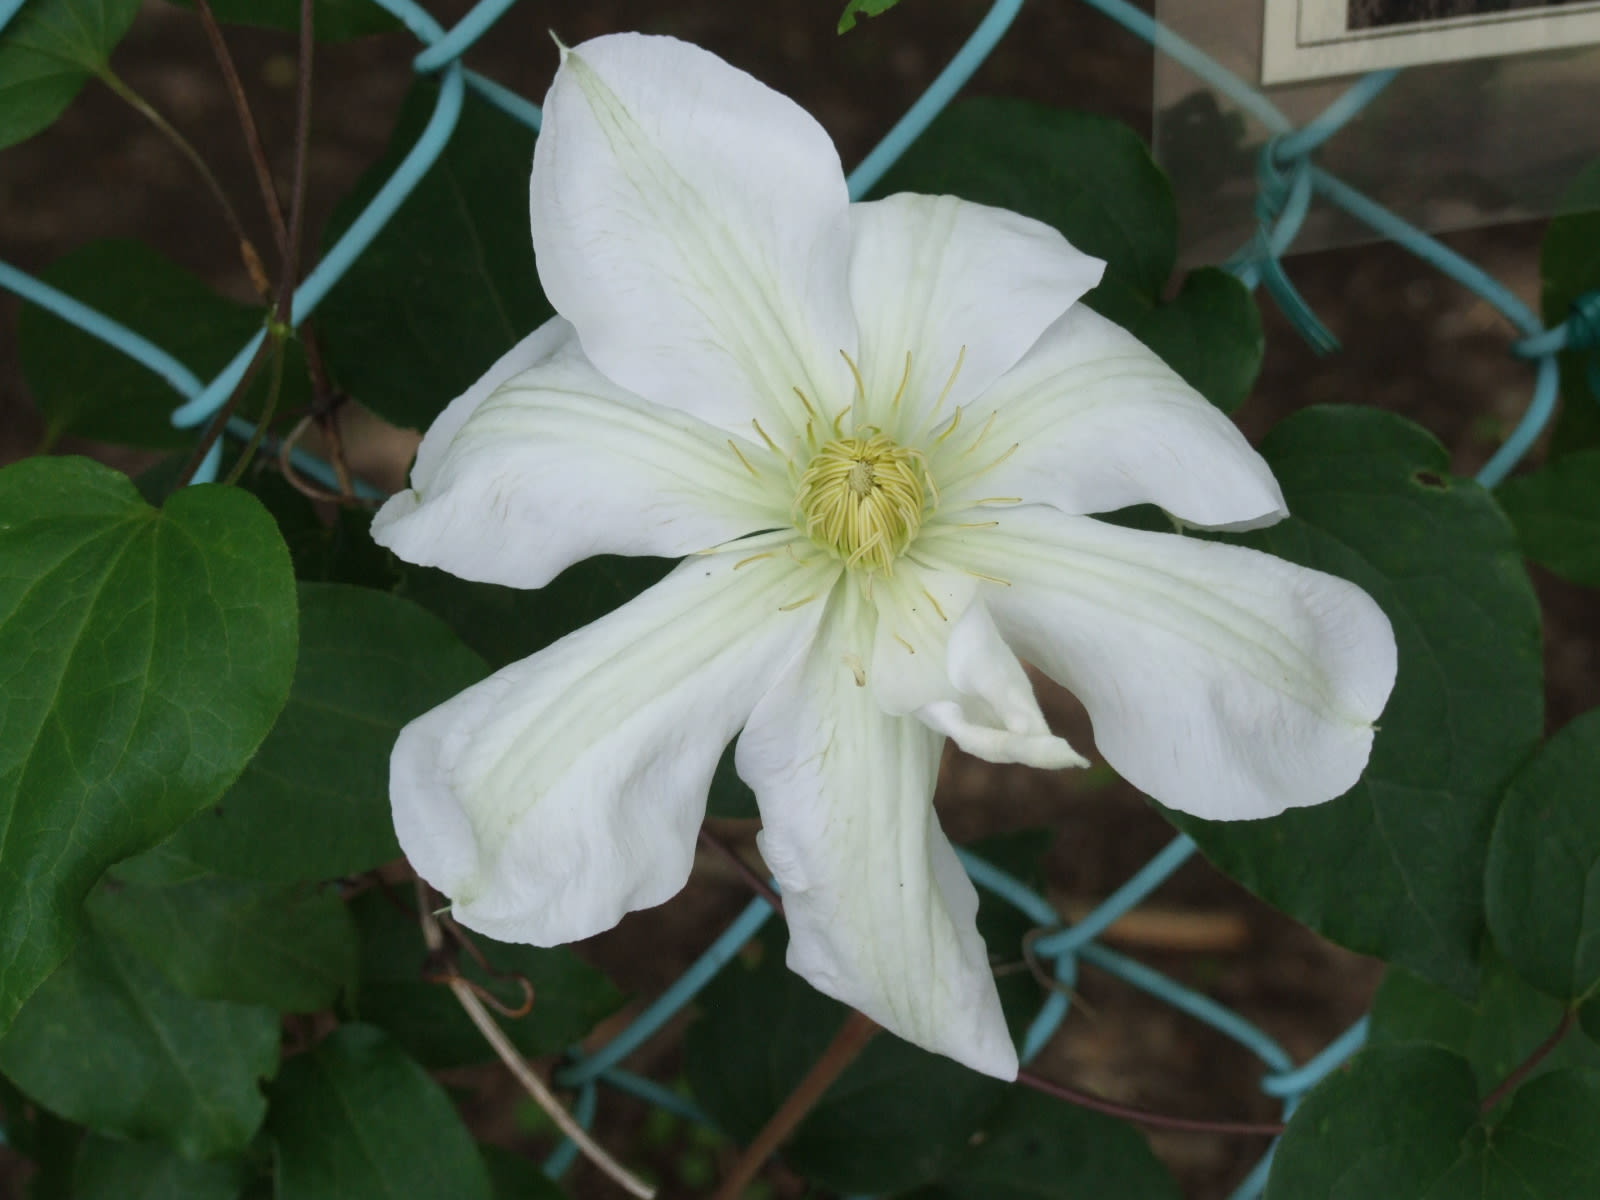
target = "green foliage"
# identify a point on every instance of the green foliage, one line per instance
(449, 285)
(1494, 1032)
(107, 1041)
(1033, 1147)
(1402, 1122)
(48, 52)
(331, 20)
(1395, 866)
(505, 624)
(1542, 863)
(1093, 179)
(897, 1118)
(1570, 267)
(569, 996)
(113, 1170)
(314, 803)
(291, 948)
(356, 1118)
(864, 8)
(145, 656)
(1556, 510)
(513, 1177)
(86, 387)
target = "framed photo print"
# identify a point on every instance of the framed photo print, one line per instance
(1313, 39)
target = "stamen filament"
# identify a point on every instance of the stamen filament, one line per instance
(732, 445)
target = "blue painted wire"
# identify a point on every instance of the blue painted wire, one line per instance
(932, 102)
(458, 41)
(1189, 56)
(1301, 142)
(666, 1006)
(1202, 1008)
(1146, 880)
(143, 351)
(657, 1094)
(1309, 1074)
(506, 100)
(348, 248)
(563, 1156)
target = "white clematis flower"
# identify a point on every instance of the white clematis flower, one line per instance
(876, 431)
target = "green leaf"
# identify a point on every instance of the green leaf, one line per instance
(355, 1119)
(109, 1043)
(569, 996)
(49, 51)
(1544, 862)
(513, 1177)
(1402, 1122)
(1094, 180)
(112, 1170)
(331, 20)
(1395, 866)
(1499, 1028)
(1570, 266)
(1211, 333)
(286, 947)
(143, 657)
(1556, 510)
(449, 285)
(865, 8)
(1036, 1148)
(505, 624)
(898, 1117)
(86, 387)
(314, 803)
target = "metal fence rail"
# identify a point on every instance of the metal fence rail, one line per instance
(1289, 181)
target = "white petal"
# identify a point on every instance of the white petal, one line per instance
(949, 281)
(566, 789)
(1221, 681)
(693, 224)
(880, 913)
(937, 654)
(1099, 423)
(560, 464)
(530, 351)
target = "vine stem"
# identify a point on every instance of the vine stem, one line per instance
(845, 1048)
(247, 249)
(247, 124)
(433, 936)
(278, 328)
(1525, 1068)
(1139, 1116)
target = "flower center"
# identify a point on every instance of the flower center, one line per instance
(863, 498)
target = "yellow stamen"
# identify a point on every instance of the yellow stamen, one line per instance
(732, 445)
(905, 378)
(934, 600)
(771, 445)
(910, 649)
(751, 559)
(864, 498)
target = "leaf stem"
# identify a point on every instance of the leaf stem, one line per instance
(247, 250)
(274, 390)
(247, 124)
(1525, 1068)
(433, 935)
(278, 326)
(845, 1048)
